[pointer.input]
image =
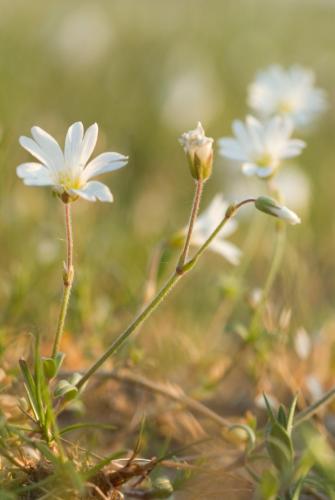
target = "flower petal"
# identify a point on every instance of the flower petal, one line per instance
(231, 149)
(227, 250)
(89, 142)
(249, 169)
(50, 147)
(34, 174)
(93, 191)
(73, 143)
(106, 162)
(34, 149)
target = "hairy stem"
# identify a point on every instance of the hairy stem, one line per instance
(131, 328)
(151, 307)
(67, 279)
(193, 218)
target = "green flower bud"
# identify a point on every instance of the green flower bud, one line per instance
(162, 487)
(66, 390)
(199, 151)
(271, 207)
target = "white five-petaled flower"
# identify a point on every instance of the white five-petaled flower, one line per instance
(205, 225)
(288, 92)
(260, 147)
(69, 172)
(199, 151)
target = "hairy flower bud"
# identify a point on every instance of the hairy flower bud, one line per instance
(271, 207)
(199, 151)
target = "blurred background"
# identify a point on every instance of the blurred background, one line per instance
(147, 71)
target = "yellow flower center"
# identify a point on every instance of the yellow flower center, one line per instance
(285, 107)
(69, 181)
(265, 160)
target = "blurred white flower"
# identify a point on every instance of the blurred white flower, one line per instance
(69, 173)
(288, 92)
(189, 95)
(205, 225)
(314, 387)
(295, 187)
(82, 38)
(260, 147)
(47, 251)
(272, 400)
(302, 343)
(199, 151)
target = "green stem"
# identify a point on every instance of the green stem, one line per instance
(151, 307)
(277, 258)
(229, 214)
(308, 412)
(131, 328)
(67, 279)
(193, 218)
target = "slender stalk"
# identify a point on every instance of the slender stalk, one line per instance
(150, 286)
(313, 408)
(277, 258)
(278, 253)
(67, 279)
(151, 307)
(131, 328)
(193, 218)
(227, 217)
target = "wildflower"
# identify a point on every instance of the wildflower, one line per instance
(199, 151)
(295, 187)
(69, 172)
(271, 207)
(205, 225)
(288, 92)
(302, 343)
(260, 147)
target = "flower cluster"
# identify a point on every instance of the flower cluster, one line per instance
(284, 100)
(289, 93)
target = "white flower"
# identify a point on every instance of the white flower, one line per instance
(69, 172)
(271, 207)
(199, 150)
(288, 92)
(260, 147)
(295, 187)
(302, 343)
(205, 225)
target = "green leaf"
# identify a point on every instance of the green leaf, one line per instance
(66, 390)
(86, 425)
(290, 417)
(30, 387)
(105, 461)
(39, 380)
(269, 409)
(280, 448)
(269, 485)
(281, 417)
(49, 368)
(297, 489)
(250, 434)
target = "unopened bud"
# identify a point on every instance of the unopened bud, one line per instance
(199, 151)
(271, 207)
